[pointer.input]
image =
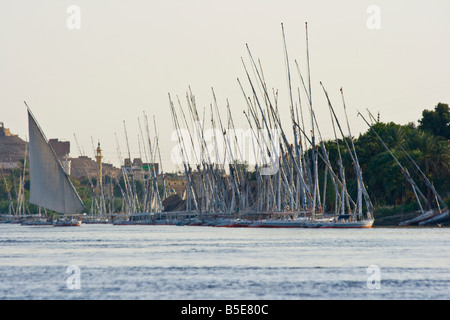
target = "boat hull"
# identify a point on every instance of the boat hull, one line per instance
(363, 224)
(441, 217)
(70, 223)
(360, 224)
(425, 216)
(233, 223)
(281, 224)
(132, 223)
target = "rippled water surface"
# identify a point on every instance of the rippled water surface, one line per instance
(186, 262)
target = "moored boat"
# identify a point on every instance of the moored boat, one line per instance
(435, 219)
(368, 223)
(127, 222)
(278, 223)
(72, 222)
(94, 219)
(424, 216)
(233, 223)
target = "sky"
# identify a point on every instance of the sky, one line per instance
(95, 74)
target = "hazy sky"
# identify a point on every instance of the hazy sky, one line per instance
(128, 55)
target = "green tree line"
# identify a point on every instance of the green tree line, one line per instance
(427, 144)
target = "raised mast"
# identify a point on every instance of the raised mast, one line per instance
(313, 139)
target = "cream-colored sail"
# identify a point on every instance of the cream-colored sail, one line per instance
(50, 186)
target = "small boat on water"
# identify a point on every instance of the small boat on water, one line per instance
(122, 222)
(139, 218)
(240, 223)
(94, 220)
(232, 223)
(67, 222)
(368, 223)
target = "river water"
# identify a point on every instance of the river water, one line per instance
(207, 263)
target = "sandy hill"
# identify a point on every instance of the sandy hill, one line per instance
(12, 148)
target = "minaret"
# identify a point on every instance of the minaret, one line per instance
(99, 158)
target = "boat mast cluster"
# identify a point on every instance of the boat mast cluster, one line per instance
(286, 177)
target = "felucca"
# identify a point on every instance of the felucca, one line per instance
(50, 186)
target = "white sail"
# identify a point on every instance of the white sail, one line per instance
(50, 187)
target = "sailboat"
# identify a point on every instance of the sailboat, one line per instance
(356, 219)
(50, 186)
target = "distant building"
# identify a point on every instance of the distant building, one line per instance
(61, 148)
(139, 169)
(10, 165)
(5, 132)
(176, 185)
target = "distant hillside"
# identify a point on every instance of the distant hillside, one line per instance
(12, 152)
(12, 148)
